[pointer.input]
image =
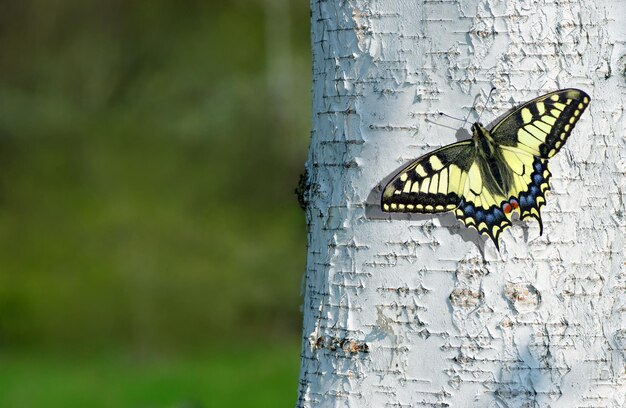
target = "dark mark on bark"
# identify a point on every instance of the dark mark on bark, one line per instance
(621, 66)
(302, 190)
(348, 346)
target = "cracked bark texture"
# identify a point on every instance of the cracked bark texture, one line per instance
(412, 311)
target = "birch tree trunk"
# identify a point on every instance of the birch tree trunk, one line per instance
(414, 311)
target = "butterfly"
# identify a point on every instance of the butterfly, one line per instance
(497, 172)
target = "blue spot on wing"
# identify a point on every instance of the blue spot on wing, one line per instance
(523, 201)
(480, 216)
(469, 210)
(534, 190)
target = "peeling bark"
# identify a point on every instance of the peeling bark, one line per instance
(410, 311)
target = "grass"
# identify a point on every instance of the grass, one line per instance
(230, 377)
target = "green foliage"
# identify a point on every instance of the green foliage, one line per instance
(148, 157)
(262, 377)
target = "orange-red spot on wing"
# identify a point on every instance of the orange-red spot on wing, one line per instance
(507, 208)
(514, 204)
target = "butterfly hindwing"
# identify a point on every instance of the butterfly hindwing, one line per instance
(483, 204)
(541, 126)
(490, 212)
(432, 183)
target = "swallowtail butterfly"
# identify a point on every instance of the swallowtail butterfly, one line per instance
(497, 172)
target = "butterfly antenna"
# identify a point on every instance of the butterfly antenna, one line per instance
(451, 117)
(488, 99)
(470, 111)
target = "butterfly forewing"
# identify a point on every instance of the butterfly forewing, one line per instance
(433, 183)
(541, 127)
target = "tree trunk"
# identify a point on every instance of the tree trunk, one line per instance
(411, 311)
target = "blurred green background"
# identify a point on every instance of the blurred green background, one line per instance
(151, 246)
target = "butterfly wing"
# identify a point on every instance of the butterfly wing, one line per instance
(541, 126)
(531, 181)
(530, 135)
(433, 183)
(489, 209)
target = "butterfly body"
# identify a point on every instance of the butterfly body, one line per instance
(484, 180)
(497, 176)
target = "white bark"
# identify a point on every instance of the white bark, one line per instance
(418, 311)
